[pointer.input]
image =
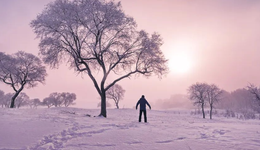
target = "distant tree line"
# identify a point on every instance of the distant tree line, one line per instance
(63, 99)
(59, 99)
(245, 101)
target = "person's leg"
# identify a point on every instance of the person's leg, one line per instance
(140, 115)
(145, 119)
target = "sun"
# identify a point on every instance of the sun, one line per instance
(180, 63)
(180, 58)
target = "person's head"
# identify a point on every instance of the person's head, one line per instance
(142, 96)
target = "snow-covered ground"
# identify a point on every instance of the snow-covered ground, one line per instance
(71, 129)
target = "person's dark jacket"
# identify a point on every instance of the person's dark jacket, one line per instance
(142, 101)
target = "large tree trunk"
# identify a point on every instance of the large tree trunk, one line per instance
(117, 106)
(211, 107)
(202, 108)
(103, 105)
(16, 94)
(13, 99)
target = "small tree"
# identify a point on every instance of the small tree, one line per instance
(116, 93)
(56, 99)
(97, 36)
(21, 70)
(35, 103)
(213, 96)
(48, 101)
(198, 93)
(68, 98)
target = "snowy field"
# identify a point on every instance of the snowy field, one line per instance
(71, 129)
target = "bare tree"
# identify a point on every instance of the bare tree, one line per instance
(198, 93)
(213, 96)
(97, 36)
(21, 70)
(116, 93)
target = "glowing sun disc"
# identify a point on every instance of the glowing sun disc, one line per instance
(180, 63)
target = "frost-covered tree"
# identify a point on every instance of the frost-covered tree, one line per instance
(60, 99)
(255, 91)
(34, 103)
(97, 36)
(198, 93)
(21, 70)
(68, 98)
(116, 93)
(56, 99)
(6, 101)
(22, 100)
(213, 96)
(48, 101)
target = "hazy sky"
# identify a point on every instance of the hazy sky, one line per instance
(205, 41)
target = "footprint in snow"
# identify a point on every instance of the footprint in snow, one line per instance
(166, 141)
(134, 142)
(181, 138)
(221, 132)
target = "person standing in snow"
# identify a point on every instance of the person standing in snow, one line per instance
(142, 101)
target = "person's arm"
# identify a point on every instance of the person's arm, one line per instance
(148, 104)
(137, 104)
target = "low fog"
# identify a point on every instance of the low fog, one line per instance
(178, 101)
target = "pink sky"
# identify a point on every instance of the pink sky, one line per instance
(219, 39)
